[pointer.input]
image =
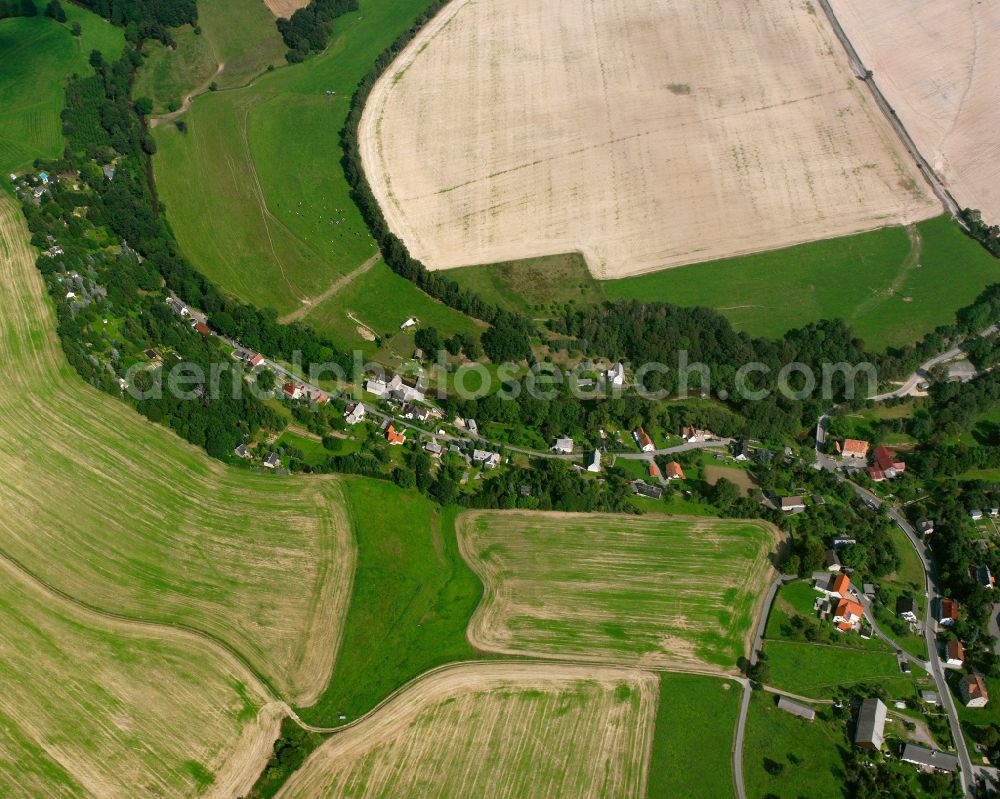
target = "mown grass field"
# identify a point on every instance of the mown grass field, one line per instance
(870, 280)
(412, 599)
(241, 34)
(809, 753)
(37, 54)
(93, 706)
(522, 730)
(255, 191)
(692, 747)
(819, 671)
(121, 514)
(657, 592)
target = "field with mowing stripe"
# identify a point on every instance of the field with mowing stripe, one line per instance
(255, 191)
(692, 748)
(521, 730)
(888, 288)
(121, 514)
(667, 592)
(97, 707)
(37, 54)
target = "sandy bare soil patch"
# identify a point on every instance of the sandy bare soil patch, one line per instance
(937, 63)
(657, 592)
(644, 133)
(285, 8)
(495, 729)
(739, 477)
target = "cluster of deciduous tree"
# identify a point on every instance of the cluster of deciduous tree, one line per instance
(986, 234)
(953, 406)
(308, 29)
(146, 19)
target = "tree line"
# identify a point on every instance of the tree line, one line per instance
(308, 29)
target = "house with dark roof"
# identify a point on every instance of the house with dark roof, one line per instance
(929, 759)
(791, 504)
(272, 461)
(925, 526)
(242, 451)
(869, 732)
(643, 489)
(906, 609)
(796, 709)
(984, 577)
(832, 560)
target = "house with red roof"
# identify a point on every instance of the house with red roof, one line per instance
(854, 448)
(643, 440)
(674, 471)
(885, 465)
(973, 690)
(291, 391)
(654, 470)
(202, 328)
(947, 611)
(955, 654)
(256, 361)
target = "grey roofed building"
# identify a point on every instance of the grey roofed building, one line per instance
(796, 709)
(929, 758)
(868, 589)
(791, 503)
(832, 560)
(869, 732)
(906, 608)
(930, 697)
(644, 489)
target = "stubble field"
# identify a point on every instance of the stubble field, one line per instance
(495, 729)
(935, 61)
(97, 503)
(667, 593)
(644, 134)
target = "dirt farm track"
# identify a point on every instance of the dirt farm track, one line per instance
(936, 62)
(644, 133)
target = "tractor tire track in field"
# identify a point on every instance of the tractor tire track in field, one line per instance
(310, 303)
(156, 121)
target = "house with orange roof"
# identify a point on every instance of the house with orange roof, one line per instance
(256, 361)
(291, 391)
(954, 654)
(947, 611)
(847, 615)
(674, 471)
(885, 465)
(654, 470)
(394, 438)
(854, 448)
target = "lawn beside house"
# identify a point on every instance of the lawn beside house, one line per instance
(819, 671)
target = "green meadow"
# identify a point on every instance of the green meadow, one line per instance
(818, 670)
(412, 599)
(37, 54)
(254, 189)
(241, 34)
(692, 748)
(888, 289)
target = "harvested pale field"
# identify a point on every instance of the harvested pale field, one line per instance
(936, 63)
(97, 707)
(285, 8)
(663, 593)
(644, 133)
(510, 730)
(119, 513)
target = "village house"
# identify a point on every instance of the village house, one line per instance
(835, 587)
(796, 709)
(947, 611)
(673, 471)
(272, 461)
(854, 448)
(975, 515)
(906, 609)
(201, 327)
(832, 560)
(643, 440)
(654, 470)
(692, 435)
(317, 396)
(847, 615)
(973, 691)
(489, 460)
(984, 577)
(954, 654)
(928, 759)
(616, 375)
(256, 360)
(433, 448)
(292, 391)
(925, 526)
(394, 437)
(355, 413)
(869, 732)
(644, 489)
(885, 465)
(791, 504)
(741, 451)
(242, 451)
(595, 461)
(563, 446)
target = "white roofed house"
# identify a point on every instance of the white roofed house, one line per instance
(563, 446)
(616, 375)
(594, 464)
(355, 413)
(377, 387)
(489, 460)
